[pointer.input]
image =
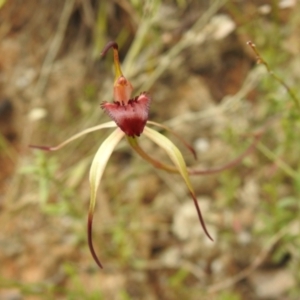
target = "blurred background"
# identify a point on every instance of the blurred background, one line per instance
(205, 83)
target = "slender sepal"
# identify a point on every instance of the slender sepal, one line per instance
(176, 156)
(74, 137)
(192, 171)
(98, 165)
(133, 142)
(180, 138)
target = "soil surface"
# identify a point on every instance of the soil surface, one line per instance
(146, 231)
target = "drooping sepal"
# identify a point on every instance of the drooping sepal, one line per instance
(176, 157)
(132, 117)
(97, 168)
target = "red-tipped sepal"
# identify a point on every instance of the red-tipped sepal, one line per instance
(132, 117)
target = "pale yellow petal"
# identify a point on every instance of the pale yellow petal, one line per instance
(176, 156)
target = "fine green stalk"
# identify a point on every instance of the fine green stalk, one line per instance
(260, 60)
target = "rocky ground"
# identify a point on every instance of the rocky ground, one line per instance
(193, 58)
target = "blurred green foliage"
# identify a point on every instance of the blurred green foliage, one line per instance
(60, 180)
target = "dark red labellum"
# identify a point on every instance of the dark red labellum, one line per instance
(132, 117)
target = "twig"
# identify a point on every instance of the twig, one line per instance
(54, 47)
(191, 37)
(88, 14)
(134, 18)
(279, 162)
(228, 103)
(232, 163)
(256, 263)
(40, 87)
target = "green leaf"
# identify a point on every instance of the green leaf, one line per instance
(176, 156)
(98, 165)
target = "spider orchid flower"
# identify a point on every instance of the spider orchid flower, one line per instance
(130, 116)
